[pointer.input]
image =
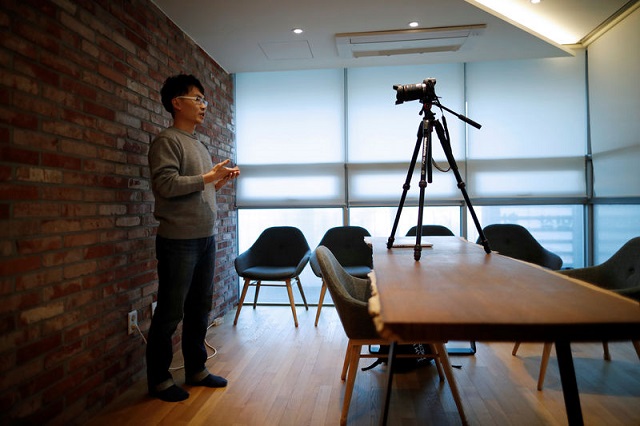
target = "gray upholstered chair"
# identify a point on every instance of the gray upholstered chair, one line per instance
(278, 255)
(620, 274)
(347, 244)
(433, 230)
(516, 241)
(350, 296)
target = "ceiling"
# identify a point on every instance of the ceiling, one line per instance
(252, 36)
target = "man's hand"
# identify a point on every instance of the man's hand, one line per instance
(220, 174)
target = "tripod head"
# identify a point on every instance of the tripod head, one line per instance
(426, 93)
(426, 110)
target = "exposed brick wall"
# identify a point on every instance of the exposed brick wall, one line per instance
(79, 104)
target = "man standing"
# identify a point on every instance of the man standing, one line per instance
(184, 183)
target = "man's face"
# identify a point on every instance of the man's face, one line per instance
(190, 107)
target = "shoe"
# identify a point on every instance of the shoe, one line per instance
(173, 393)
(210, 381)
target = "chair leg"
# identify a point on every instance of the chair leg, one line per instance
(323, 290)
(448, 372)
(242, 296)
(436, 360)
(605, 348)
(546, 352)
(636, 345)
(515, 349)
(354, 358)
(255, 297)
(292, 302)
(345, 366)
(304, 299)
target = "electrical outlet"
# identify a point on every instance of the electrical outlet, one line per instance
(132, 322)
(153, 308)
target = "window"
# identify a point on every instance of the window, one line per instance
(558, 228)
(325, 148)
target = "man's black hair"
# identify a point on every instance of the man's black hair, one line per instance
(178, 85)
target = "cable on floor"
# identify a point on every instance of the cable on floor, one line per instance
(215, 351)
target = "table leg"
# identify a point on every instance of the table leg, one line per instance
(569, 383)
(387, 393)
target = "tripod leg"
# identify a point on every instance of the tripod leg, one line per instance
(443, 135)
(424, 175)
(406, 187)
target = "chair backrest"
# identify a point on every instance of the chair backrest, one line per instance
(434, 230)
(347, 244)
(620, 273)
(280, 246)
(350, 296)
(516, 241)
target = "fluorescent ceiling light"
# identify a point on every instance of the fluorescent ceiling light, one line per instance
(525, 15)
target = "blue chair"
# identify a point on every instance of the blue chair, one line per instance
(278, 255)
(517, 242)
(432, 230)
(620, 274)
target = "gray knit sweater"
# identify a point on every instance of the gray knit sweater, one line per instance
(184, 205)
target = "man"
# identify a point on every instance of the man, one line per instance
(184, 183)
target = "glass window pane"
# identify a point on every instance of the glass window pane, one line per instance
(290, 117)
(379, 130)
(614, 105)
(286, 184)
(527, 178)
(312, 222)
(558, 228)
(616, 172)
(614, 226)
(528, 108)
(384, 183)
(379, 220)
(539, 118)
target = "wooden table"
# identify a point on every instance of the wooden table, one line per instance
(458, 292)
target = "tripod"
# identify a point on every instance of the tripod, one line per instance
(424, 141)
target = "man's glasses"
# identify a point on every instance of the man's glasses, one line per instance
(198, 99)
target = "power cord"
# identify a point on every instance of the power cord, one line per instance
(140, 332)
(215, 351)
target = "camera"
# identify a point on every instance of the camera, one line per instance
(424, 91)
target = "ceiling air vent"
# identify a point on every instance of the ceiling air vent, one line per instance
(403, 42)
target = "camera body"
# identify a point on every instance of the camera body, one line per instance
(425, 91)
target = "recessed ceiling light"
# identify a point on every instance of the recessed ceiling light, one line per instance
(413, 24)
(535, 1)
(297, 30)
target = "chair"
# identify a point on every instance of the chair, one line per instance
(517, 242)
(347, 244)
(350, 296)
(620, 274)
(440, 230)
(434, 230)
(279, 254)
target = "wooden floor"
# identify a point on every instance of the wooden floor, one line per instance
(282, 375)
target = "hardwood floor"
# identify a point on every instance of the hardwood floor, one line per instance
(282, 375)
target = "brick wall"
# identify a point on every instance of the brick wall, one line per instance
(79, 104)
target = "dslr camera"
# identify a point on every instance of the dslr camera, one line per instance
(425, 91)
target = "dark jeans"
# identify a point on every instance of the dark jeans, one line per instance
(185, 291)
